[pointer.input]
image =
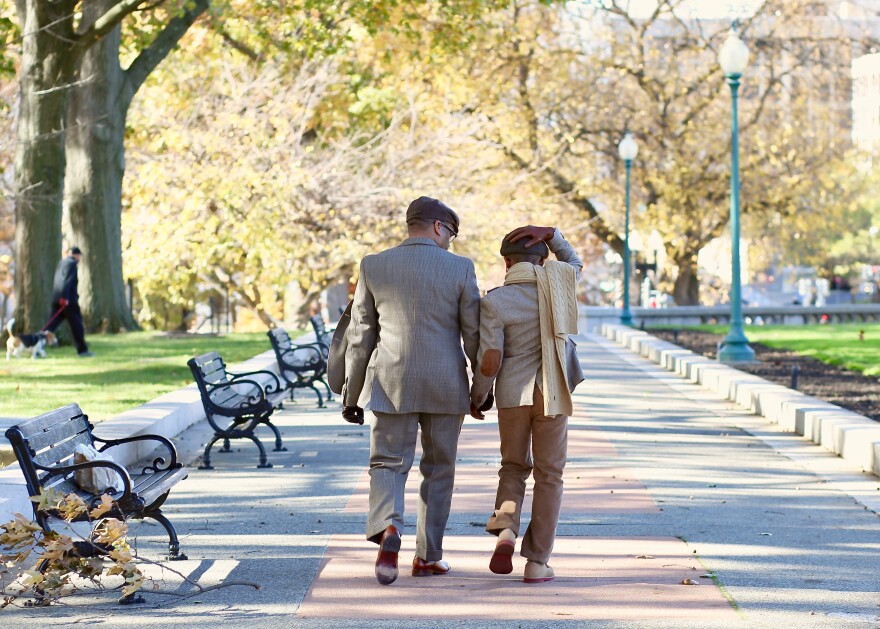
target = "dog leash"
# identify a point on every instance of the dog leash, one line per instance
(63, 303)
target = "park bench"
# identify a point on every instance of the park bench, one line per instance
(245, 400)
(301, 366)
(45, 446)
(323, 335)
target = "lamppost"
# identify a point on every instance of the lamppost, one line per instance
(733, 58)
(628, 150)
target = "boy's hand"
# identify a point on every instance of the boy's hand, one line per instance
(534, 233)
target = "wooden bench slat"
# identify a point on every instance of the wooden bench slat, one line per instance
(62, 453)
(152, 486)
(49, 420)
(59, 432)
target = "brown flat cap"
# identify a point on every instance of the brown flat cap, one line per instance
(433, 210)
(519, 248)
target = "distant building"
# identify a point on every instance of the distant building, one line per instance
(866, 104)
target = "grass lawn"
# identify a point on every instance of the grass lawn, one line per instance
(835, 344)
(126, 371)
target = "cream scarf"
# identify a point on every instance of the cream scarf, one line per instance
(557, 310)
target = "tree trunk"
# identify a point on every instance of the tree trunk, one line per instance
(93, 186)
(96, 164)
(686, 291)
(47, 68)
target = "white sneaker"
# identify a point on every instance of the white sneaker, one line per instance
(537, 572)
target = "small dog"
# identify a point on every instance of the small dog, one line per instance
(33, 343)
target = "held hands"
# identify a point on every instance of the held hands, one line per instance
(353, 414)
(534, 233)
(477, 413)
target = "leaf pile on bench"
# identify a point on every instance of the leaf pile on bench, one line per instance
(236, 403)
(45, 447)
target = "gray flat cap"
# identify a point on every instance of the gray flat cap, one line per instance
(426, 208)
(519, 248)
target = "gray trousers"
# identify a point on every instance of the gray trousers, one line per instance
(530, 441)
(392, 451)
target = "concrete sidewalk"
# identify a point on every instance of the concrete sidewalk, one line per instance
(665, 483)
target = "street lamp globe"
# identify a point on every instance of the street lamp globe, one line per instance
(628, 148)
(734, 55)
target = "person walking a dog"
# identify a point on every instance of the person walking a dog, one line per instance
(65, 301)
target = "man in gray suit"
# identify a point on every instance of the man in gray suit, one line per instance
(524, 327)
(414, 305)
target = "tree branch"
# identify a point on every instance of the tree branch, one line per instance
(151, 56)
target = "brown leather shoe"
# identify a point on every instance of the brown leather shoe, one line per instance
(422, 568)
(386, 561)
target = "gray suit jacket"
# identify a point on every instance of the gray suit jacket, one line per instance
(509, 322)
(413, 306)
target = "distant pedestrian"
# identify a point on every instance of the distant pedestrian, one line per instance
(525, 353)
(65, 301)
(415, 305)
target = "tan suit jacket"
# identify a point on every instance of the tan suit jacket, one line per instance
(413, 307)
(509, 322)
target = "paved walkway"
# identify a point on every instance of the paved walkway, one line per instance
(663, 487)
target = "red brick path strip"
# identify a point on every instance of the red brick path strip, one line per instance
(597, 578)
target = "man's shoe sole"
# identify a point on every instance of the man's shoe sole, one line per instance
(386, 562)
(502, 558)
(539, 579)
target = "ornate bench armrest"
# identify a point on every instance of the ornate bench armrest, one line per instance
(263, 372)
(157, 462)
(314, 357)
(253, 399)
(116, 467)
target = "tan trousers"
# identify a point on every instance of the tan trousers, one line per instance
(530, 441)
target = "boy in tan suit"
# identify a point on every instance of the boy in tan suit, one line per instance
(414, 307)
(523, 329)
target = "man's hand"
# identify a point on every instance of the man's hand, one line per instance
(534, 233)
(475, 412)
(487, 404)
(353, 414)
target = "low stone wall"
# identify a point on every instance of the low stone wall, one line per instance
(594, 317)
(167, 415)
(854, 437)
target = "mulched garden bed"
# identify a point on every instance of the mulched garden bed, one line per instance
(848, 389)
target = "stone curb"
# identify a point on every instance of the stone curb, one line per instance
(854, 437)
(167, 415)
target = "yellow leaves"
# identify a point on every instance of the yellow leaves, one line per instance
(133, 583)
(71, 506)
(18, 532)
(110, 531)
(59, 561)
(47, 499)
(56, 545)
(104, 507)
